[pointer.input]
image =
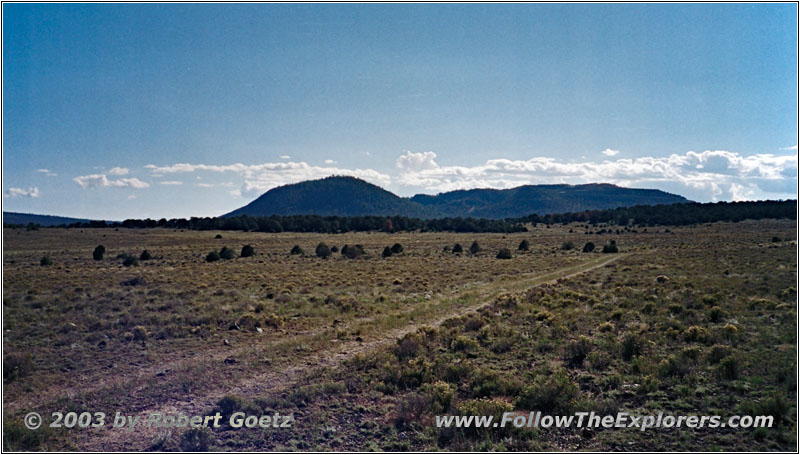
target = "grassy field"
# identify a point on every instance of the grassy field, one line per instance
(365, 352)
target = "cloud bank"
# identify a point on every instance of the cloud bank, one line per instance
(710, 175)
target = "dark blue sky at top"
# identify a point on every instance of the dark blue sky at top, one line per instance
(87, 88)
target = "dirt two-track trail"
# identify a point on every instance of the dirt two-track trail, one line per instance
(275, 380)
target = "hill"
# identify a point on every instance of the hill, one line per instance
(349, 196)
(332, 196)
(42, 220)
(541, 199)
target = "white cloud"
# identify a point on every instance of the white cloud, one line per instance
(101, 180)
(330, 162)
(171, 182)
(411, 161)
(794, 147)
(286, 157)
(742, 193)
(47, 172)
(131, 197)
(31, 191)
(610, 152)
(118, 171)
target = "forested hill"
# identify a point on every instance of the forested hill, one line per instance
(349, 196)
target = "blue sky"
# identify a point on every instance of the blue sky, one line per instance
(131, 111)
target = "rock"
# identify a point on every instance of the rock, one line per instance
(259, 330)
(226, 342)
(662, 278)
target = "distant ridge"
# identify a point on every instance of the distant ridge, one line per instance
(349, 196)
(42, 220)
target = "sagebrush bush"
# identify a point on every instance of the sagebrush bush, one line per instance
(397, 248)
(474, 248)
(387, 252)
(457, 248)
(566, 246)
(247, 251)
(296, 250)
(16, 366)
(728, 368)
(717, 353)
(145, 256)
(45, 261)
(130, 261)
(504, 253)
(98, 252)
(631, 346)
(212, 257)
(716, 314)
(577, 350)
(611, 247)
(554, 393)
(524, 245)
(441, 395)
(226, 253)
(196, 440)
(588, 248)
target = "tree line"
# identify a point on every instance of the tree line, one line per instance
(675, 214)
(643, 215)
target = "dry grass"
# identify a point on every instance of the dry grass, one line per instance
(185, 328)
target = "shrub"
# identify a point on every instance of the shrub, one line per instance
(716, 314)
(145, 256)
(504, 253)
(566, 246)
(577, 350)
(717, 353)
(488, 383)
(196, 440)
(334, 249)
(218, 236)
(387, 252)
(672, 366)
(483, 407)
(130, 261)
(352, 252)
(98, 252)
(226, 253)
(474, 248)
(296, 250)
(45, 261)
(247, 251)
(776, 239)
(407, 347)
(632, 345)
(139, 333)
(611, 247)
(397, 248)
(588, 248)
(554, 393)
(606, 327)
(728, 368)
(696, 333)
(212, 256)
(16, 366)
(776, 406)
(457, 248)
(441, 394)
(524, 245)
